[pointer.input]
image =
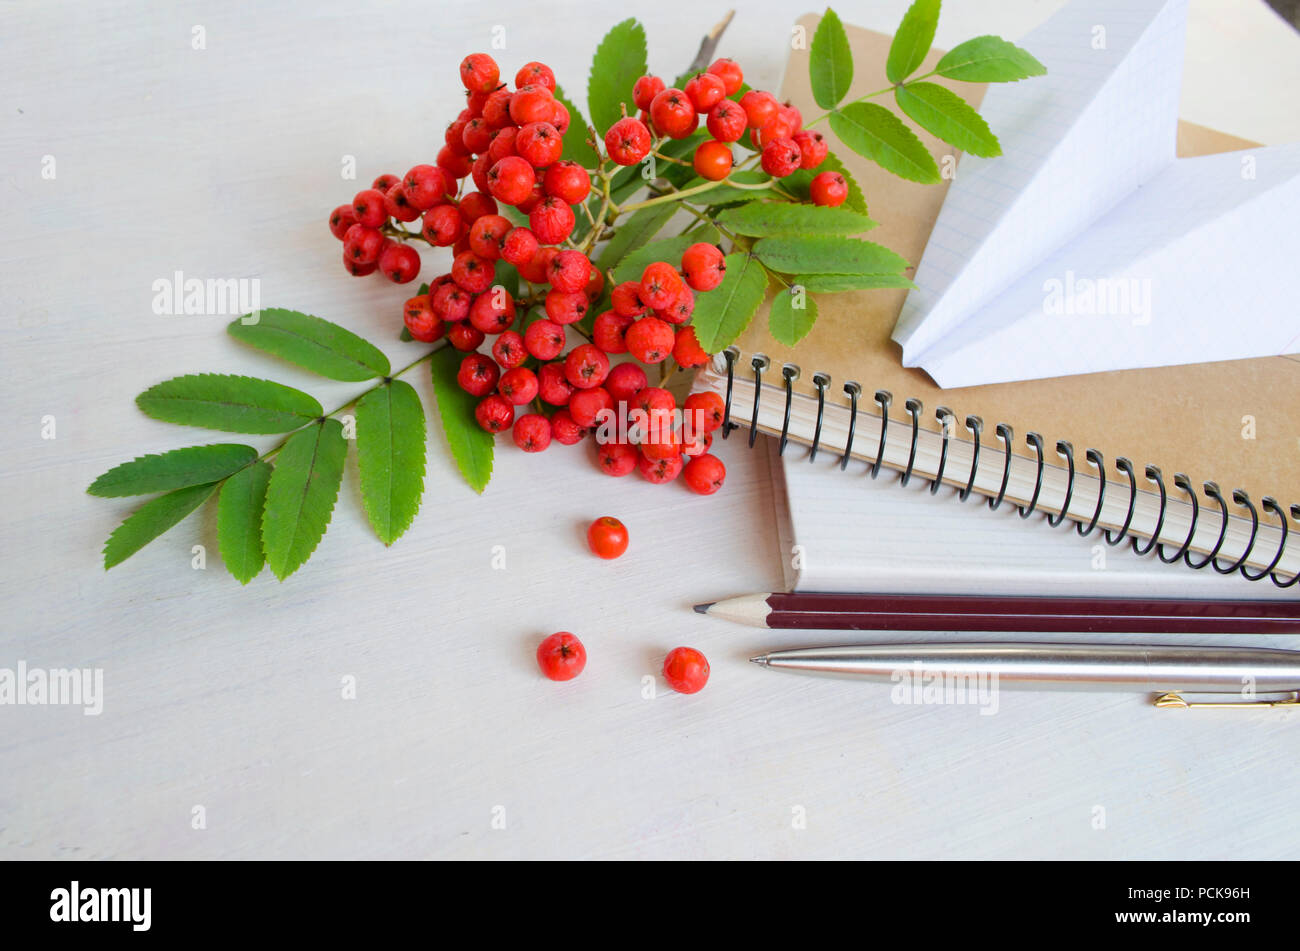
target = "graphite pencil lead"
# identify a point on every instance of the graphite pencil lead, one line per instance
(704, 608)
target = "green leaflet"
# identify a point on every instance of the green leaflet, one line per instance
(793, 313)
(665, 249)
(576, 148)
(635, 232)
(762, 218)
(391, 442)
(723, 313)
(619, 62)
(834, 283)
(152, 519)
(301, 494)
(798, 183)
(826, 254)
(233, 404)
(239, 521)
(470, 445)
(830, 64)
(988, 59)
(312, 343)
(945, 114)
(912, 40)
(876, 133)
(176, 469)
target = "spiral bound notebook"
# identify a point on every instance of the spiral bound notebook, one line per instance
(1183, 426)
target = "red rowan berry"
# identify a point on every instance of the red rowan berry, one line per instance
(532, 432)
(561, 656)
(477, 136)
(384, 182)
(569, 271)
(368, 206)
(828, 189)
(586, 367)
(771, 130)
(645, 89)
(539, 143)
(727, 121)
(712, 160)
(659, 471)
(608, 329)
(705, 474)
(535, 74)
(704, 266)
(456, 164)
(461, 245)
(508, 350)
(565, 430)
(673, 114)
(474, 103)
(650, 340)
(704, 411)
(454, 137)
(518, 385)
(607, 537)
(487, 236)
(687, 350)
(759, 107)
(627, 141)
(398, 205)
(544, 339)
(479, 72)
(781, 157)
(566, 308)
(341, 219)
(502, 144)
(532, 104)
(492, 311)
(588, 406)
(478, 375)
(443, 225)
(568, 181)
(511, 180)
(657, 406)
(356, 268)
(552, 220)
(791, 114)
(519, 246)
(705, 91)
(686, 670)
(552, 387)
(534, 269)
(626, 300)
(479, 170)
(465, 337)
(400, 263)
(680, 310)
(475, 205)
(533, 200)
(494, 413)
(812, 147)
(472, 273)
(422, 323)
(625, 381)
(695, 443)
(660, 284)
(595, 285)
(450, 302)
(667, 445)
(729, 71)
(363, 244)
(560, 117)
(496, 110)
(616, 458)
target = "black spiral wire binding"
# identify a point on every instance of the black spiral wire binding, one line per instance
(975, 425)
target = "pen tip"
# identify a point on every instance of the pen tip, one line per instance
(761, 660)
(704, 608)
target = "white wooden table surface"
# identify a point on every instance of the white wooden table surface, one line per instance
(223, 162)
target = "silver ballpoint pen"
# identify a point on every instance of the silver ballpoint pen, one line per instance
(1167, 671)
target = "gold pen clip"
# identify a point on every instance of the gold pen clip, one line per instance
(1177, 700)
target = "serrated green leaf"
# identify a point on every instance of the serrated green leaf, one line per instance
(634, 232)
(312, 343)
(665, 249)
(232, 404)
(792, 315)
(876, 133)
(798, 183)
(834, 283)
(945, 114)
(471, 446)
(239, 521)
(913, 39)
(988, 59)
(830, 61)
(619, 62)
(196, 465)
(301, 494)
(763, 218)
(391, 443)
(827, 254)
(723, 313)
(152, 519)
(576, 147)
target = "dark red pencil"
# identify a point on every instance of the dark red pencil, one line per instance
(913, 612)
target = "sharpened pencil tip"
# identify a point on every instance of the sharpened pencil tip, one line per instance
(704, 608)
(760, 660)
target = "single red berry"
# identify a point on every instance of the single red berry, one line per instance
(341, 219)
(587, 407)
(450, 302)
(398, 205)
(812, 148)
(627, 141)
(706, 90)
(565, 430)
(454, 136)
(456, 165)
(586, 367)
(667, 444)
(474, 103)
(503, 144)
(625, 381)
(781, 157)
(479, 72)
(560, 117)
(511, 180)
(704, 474)
(727, 121)
(729, 71)
(487, 236)
(655, 402)
(473, 273)
(363, 244)
(695, 444)
(828, 189)
(660, 284)
(552, 387)
(535, 74)
(519, 385)
(356, 268)
(673, 114)
(608, 330)
(385, 182)
(537, 267)
(368, 206)
(539, 143)
(477, 136)
(508, 350)
(659, 471)
(478, 374)
(494, 413)
(650, 340)
(493, 311)
(544, 339)
(712, 160)
(774, 128)
(568, 181)
(479, 171)
(680, 310)
(532, 432)
(422, 323)
(616, 458)
(703, 412)
(645, 89)
(475, 205)
(626, 300)
(520, 246)
(595, 285)
(759, 107)
(552, 220)
(607, 537)
(496, 110)
(704, 266)
(569, 271)
(465, 337)
(566, 308)
(686, 670)
(443, 225)
(561, 656)
(687, 350)
(400, 263)
(532, 104)
(533, 200)
(791, 114)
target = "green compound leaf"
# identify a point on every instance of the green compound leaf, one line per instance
(792, 315)
(665, 249)
(834, 283)
(635, 233)
(763, 218)
(619, 62)
(576, 148)
(876, 133)
(827, 254)
(798, 183)
(830, 63)
(239, 521)
(232, 404)
(152, 519)
(391, 442)
(913, 39)
(945, 114)
(471, 446)
(301, 494)
(723, 313)
(313, 344)
(989, 59)
(176, 469)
